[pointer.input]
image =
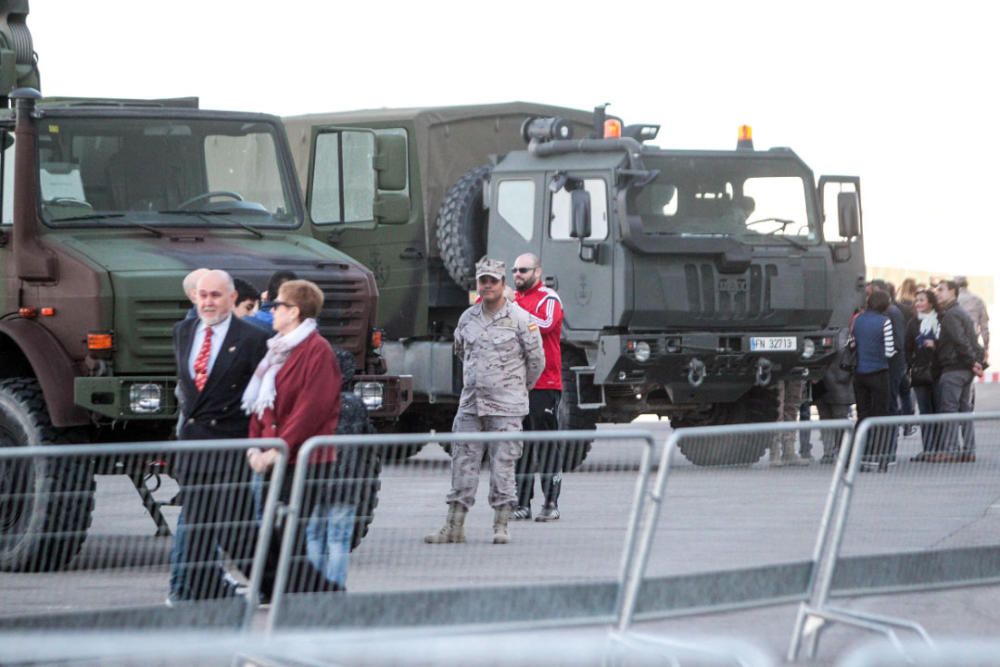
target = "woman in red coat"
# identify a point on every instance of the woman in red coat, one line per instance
(295, 395)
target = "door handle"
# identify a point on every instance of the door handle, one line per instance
(411, 253)
(551, 282)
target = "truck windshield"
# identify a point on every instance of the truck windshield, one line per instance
(762, 200)
(150, 171)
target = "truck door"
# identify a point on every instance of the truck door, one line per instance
(358, 200)
(515, 212)
(840, 206)
(580, 270)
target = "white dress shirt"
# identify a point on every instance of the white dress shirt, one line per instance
(219, 332)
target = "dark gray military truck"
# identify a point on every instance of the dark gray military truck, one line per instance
(692, 281)
(106, 205)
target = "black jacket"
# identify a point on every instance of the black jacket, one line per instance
(215, 412)
(958, 347)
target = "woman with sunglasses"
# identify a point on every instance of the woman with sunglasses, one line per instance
(295, 395)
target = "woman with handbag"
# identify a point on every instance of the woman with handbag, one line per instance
(922, 333)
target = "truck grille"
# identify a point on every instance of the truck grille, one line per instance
(344, 318)
(151, 346)
(716, 296)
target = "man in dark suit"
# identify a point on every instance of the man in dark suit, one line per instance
(216, 356)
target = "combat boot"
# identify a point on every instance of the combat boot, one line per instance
(453, 530)
(500, 533)
(791, 458)
(775, 458)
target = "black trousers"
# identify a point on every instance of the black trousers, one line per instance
(218, 513)
(544, 458)
(873, 397)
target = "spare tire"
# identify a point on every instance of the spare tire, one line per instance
(461, 227)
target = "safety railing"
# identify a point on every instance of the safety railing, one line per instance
(917, 511)
(951, 652)
(75, 553)
(732, 534)
(577, 647)
(563, 570)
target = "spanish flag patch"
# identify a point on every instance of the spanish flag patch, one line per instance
(532, 327)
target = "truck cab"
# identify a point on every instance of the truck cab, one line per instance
(691, 281)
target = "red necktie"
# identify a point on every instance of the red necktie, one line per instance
(201, 362)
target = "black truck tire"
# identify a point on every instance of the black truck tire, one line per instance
(757, 405)
(461, 227)
(569, 414)
(46, 505)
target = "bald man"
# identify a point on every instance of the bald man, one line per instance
(216, 355)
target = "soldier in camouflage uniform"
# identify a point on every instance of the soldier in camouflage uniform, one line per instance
(502, 356)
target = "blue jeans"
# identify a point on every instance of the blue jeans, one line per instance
(328, 541)
(178, 583)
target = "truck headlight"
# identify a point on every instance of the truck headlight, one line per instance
(145, 398)
(642, 351)
(808, 348)
(371, 394)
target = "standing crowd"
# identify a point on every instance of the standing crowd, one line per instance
(924, 342)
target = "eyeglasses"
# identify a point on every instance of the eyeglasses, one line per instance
(522, 269)
(279, 304)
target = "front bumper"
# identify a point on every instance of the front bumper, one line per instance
(707, 367)
(152, 397)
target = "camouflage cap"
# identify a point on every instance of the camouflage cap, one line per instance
(491, 267)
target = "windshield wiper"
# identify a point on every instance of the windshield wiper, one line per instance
(106, 216)
(783, 222)
(204, 216)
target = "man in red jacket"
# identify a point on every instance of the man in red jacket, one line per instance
(545, 309)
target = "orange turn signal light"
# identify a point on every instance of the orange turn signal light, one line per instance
(100, 341)
(612, 128)
(48, 312)
(28, 312)
(376, 339)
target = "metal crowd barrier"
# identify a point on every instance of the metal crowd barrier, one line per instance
(915, 512)
(70, 563)
(952, 652)
(577, 647)
(752, 551)
(568, 570)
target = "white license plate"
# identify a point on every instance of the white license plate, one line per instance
(772, 344)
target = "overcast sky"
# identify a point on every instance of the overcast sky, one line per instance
(901, 95)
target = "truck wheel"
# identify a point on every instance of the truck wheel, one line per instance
(757, 405)
(46, 505)
(570, 416)
(408, 423)
(461, 227)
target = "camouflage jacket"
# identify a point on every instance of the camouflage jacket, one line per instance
(502, 359)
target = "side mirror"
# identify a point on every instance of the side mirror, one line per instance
(848, 214)
(579, 203)
(390, 161)
(391, 208)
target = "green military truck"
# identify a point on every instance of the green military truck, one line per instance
(692, 280)
(106, 206)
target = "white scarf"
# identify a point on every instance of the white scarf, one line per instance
(929, 325)
(260, 392)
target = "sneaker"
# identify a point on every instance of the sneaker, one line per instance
(521, 513)
(827, 459)
(909, 430)
(549, 513)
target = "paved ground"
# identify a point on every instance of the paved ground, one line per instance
(713, 519)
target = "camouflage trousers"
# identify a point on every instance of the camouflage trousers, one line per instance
(467, 457)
